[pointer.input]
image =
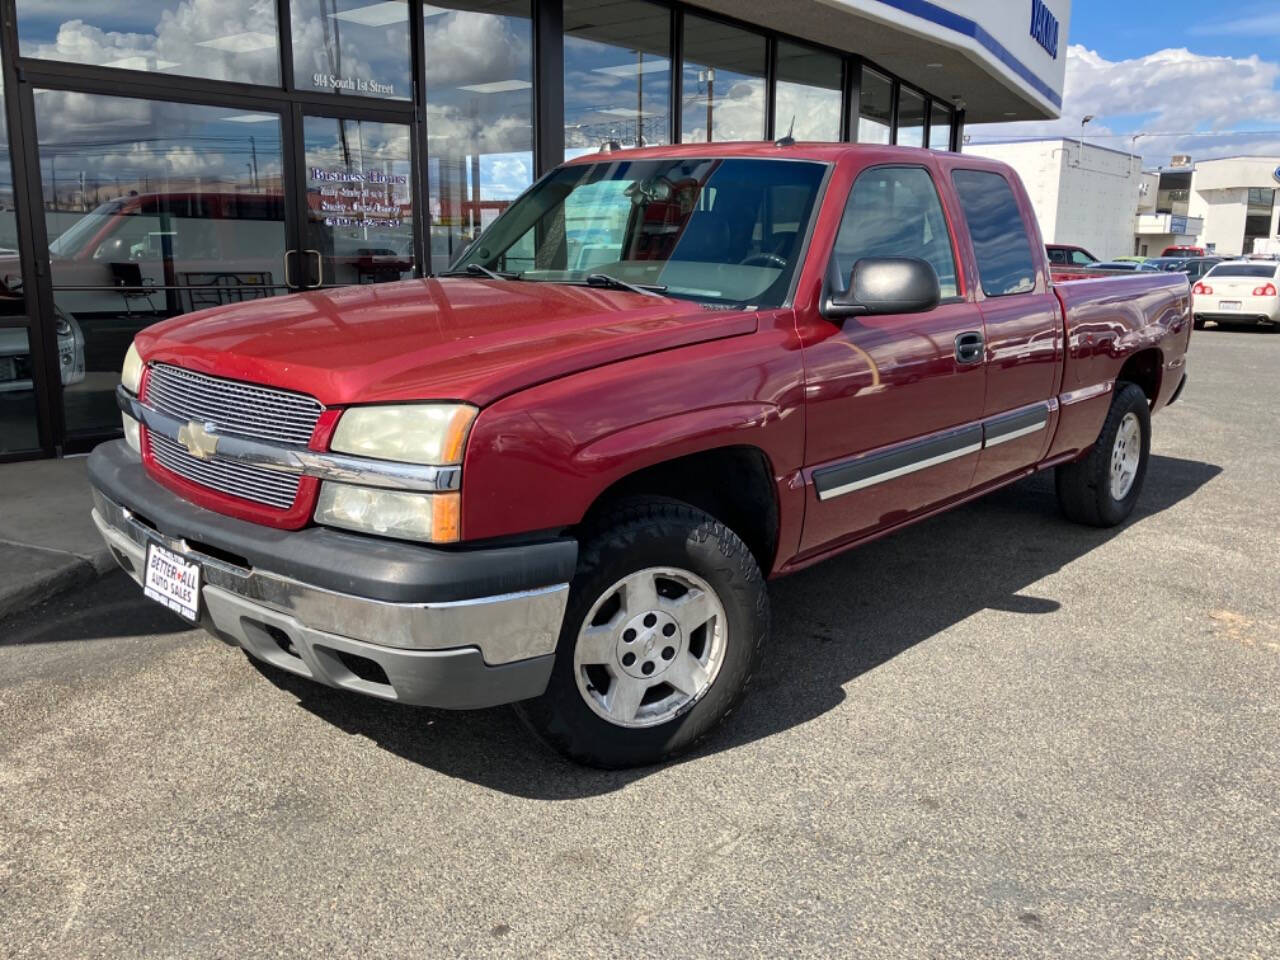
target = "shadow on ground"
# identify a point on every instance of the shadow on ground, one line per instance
(832, 623)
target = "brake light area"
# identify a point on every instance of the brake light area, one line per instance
(1202, 290)
(1266, 290)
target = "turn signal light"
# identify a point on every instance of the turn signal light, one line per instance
(1266, 290)
(1201, 289)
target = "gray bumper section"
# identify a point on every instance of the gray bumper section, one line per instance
(465, 653)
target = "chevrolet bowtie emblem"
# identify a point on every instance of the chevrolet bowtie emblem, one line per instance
(199, 438)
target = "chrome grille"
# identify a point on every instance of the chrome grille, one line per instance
(243, 409)
(239, 408)
(226, 476)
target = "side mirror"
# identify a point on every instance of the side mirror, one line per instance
(880, 285)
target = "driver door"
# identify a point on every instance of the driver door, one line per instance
(893, 401)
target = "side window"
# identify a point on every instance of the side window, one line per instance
(1080, 258)
(1057, 256)
(1000, 241)
(895, 212)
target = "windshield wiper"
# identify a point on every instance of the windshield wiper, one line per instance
(613, 283)
(476, 270)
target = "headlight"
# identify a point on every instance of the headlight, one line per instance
(430, 433)
(390, 513)
(131, 375)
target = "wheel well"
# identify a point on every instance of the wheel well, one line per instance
(733, 484)
(1144, 368)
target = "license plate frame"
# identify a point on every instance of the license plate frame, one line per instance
(172, 581)
(1230, 306)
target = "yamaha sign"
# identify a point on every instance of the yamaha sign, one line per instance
(1275, 174)
(1044, 27)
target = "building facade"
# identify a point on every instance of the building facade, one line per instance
(1228, 206)
(165, 156)
(1083, 194)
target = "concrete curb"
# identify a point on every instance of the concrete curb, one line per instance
(66, 572)
(48, 542)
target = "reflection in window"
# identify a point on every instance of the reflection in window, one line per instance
(895, 212)
(479, 102)
(617, 74)
(215, 39)
(723, 86)
(359, 201)
(706, 229)
(940, 126)
(808, 93)
(352, 47)
(875, 108)
(910, 118)
(17, 388)
(998, 232)
(152, 209)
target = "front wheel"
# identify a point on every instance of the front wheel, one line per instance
(666, 619)
(1102, 489)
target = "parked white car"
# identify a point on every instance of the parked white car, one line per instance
(1240, 291)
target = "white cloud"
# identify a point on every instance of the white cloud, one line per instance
(1170, 91)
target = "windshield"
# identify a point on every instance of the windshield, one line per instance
(84, 229)
(1243, 270)
(720, 231)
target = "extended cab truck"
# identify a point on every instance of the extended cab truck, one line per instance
(532, 480)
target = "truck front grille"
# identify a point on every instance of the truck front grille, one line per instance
(247, 410)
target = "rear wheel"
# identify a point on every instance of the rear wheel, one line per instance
(1102, 488)
(666, 619)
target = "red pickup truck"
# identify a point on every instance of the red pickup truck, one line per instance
(560, 473)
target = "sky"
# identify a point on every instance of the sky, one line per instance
(1168, 78)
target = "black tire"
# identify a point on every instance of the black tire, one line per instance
(1084, 486)
(640, 534)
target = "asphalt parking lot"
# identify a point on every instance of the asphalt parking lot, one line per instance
(996, 734)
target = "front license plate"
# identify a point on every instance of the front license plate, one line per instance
(173, 581)
(1228, 305)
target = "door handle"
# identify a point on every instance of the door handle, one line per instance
(319, 268)
(969, 347)
(288, 277)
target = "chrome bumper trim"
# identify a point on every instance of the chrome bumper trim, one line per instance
(505, 628)
(298, 460)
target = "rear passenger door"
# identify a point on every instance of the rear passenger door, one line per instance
(1023, 321)
(893, 402)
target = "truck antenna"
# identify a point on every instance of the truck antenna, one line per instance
(788, 140)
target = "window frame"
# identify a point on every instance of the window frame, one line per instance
(1039, 284)
(839, 283)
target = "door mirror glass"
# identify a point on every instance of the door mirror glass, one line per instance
(884, 285)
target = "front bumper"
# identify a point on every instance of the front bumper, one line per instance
(456, 628)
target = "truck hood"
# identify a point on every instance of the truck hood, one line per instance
(472, 340)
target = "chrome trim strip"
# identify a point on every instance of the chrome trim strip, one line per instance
(898, 461)
(1015, 434)
(1085, 393)
(504, 627)
(299, 460)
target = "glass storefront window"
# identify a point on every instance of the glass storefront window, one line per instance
(808, 93)
(875, 108)
(215, 39)
(617, 74)
(939, 126)
(479, 101)
(153, 209)
(723, 87)
(910, 118)
(359, 200)
(17, 386)
(352, 47)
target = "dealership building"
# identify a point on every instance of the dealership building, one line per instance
(165, 156)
